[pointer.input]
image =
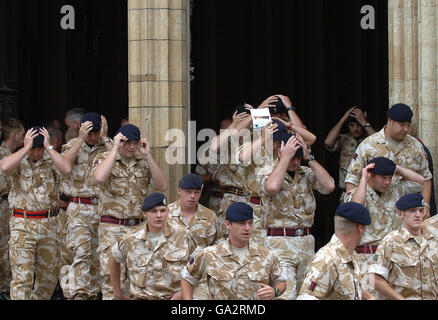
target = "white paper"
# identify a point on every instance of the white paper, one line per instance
(260, 117)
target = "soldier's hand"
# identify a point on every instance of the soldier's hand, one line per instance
(268, 102)
(286, 101)
(144, 146)
(266, 292)
(359, 115)
(366, 172)
(46, 136)
(303, 146)
(426, 213)
(347, 114)
(268, 131)
(290, 148)
(28, 138)
(177, 296)
(85, 129)
(103, 129)
(119, 140)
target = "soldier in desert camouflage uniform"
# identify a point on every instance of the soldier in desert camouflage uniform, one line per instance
(333, 273)
(124, 175)
(155, 254)
(82, 278)
(201, 222)
(13, 133)
(378, 195)
(358, 129)
(404, 266)
(236, 269)
(287, 193)
(393, 142)
(214, 192)
(33, 251)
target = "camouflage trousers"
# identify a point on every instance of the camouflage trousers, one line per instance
(5, 268)
(82, 279)
(259, 232)
(294, 254)
(108, 235)
(364, 261)
(65, 254)
(33, 254)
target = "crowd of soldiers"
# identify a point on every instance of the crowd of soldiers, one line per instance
(91, 216)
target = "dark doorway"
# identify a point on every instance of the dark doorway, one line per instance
(52, 70)
(313, 51)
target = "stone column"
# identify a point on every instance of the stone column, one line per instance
(158, 76)
(413, 66)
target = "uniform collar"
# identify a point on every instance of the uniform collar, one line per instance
(341, 251)
(225, 250)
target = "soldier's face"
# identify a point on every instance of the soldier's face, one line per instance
(398, 130)
(356, 130)
(412, 217)
(129, 148)
(36, 154)
(93, 138)
(189, 197)
(294, 163)
(380, 182)
(240, 232)
(156, 218)
(19, 137)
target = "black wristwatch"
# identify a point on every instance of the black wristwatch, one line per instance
(306, 161)
(277, 292)
(291, 108)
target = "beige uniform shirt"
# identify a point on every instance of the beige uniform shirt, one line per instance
(5, 182)
(410, 154)
(204, 226)
(294, 206)
(34, 185)
(154, 271)
(230, 278)
(333, 274)
(81, 182)
(407, 265)
(122, 195)
(347, 144)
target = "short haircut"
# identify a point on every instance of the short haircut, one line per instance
(344, 225)
(75, 114)
(10, 126)
(54, 132)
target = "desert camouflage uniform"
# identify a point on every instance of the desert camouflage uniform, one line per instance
(410, 154)
(384, 219)
(333, 274)
(214, 201)
(154, 273)
(33, 246)
(5, 215)
(408, 267)
(204, 228)
(83, 279)
(293, 207)
(347, 144)
(228, 277)
(431, 226)
(120, 197)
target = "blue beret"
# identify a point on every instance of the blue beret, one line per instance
(153, 200)
(284, 136)
(191, 181)
(131, 132)
(411, 200)
(241, 109)
(384, 166)
(94, 118)
(239, 211)
(355, 212)
(400, 113)
(279, 107)
(38, 141)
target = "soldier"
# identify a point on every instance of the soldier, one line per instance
(201, 222)
(72, 121)
(236, 269)
(404, 264)
(378, 195)
(358, 129)
(392, 142)
(287, 194)
(155, 254)
(333, 273)
(33, 251)
(81, 280)
(124, 175)
(13, 133)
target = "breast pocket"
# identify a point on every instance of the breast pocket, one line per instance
(175, 262)
(344, 291)
(219, 284)
(142, 180)
(118, 183)
(405, 269)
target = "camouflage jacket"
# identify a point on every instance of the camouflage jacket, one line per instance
(228, 278)
(154, 273)
(5, 183)
(408, 267)
(333, 274)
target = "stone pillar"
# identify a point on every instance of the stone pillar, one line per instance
(158, 76)
(413, 68)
